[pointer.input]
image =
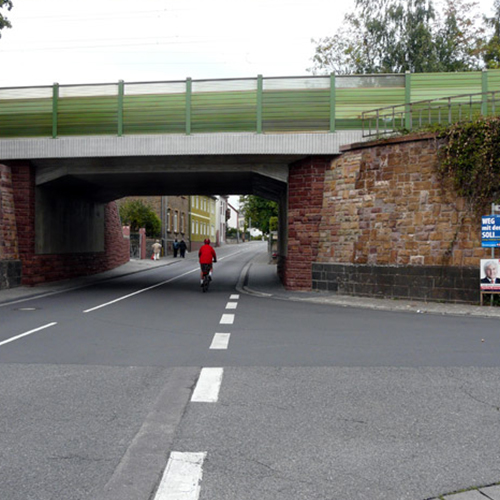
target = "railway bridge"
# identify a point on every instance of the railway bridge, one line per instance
(67, 152)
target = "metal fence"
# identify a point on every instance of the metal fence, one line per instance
(443, 111)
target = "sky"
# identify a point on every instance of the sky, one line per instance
(74, 41)
(70, 41)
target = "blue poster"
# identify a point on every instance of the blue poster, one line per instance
(490, 231)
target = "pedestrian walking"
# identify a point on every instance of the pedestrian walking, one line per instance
(156, 250)
(182, 248)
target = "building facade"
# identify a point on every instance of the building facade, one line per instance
(177, 221)
(222, 211)
(203, 220)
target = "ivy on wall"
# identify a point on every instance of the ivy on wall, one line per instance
(470, 158)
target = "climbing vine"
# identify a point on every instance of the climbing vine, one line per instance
(470, 158)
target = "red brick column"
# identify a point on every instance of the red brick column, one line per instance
(23, 183)
(305, 201)
(8, 229)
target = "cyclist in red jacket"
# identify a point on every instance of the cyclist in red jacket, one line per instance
(206, 255)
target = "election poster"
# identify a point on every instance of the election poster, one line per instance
(490, 275)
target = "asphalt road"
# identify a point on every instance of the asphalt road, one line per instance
(312, 401)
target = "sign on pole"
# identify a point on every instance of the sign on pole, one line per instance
(490, 231)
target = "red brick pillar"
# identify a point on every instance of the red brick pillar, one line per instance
(23, 183)
(305, 202)
(8, 230)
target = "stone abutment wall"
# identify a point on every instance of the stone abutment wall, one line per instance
(388, 227)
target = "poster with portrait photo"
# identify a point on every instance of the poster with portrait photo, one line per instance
(490, 275)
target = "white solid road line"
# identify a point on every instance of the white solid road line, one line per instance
(27, 333)
(227, 319)
(139, 291)
(231, 305)
(220, 341)
(208, 386)
(182, 477)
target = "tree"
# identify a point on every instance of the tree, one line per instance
(459, 37)
(394, 36)
(4, 22)
(136, 214)
(258, 211)
(491, 47)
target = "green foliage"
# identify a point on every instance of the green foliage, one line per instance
(273, 223)
(394, 36)
(4, 22)
(259, 211)
(136, 214)
(470, 158)
(491, 47)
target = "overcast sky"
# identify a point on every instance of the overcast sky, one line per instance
(71, 41)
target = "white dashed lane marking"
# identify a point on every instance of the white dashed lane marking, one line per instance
(227, 319)
(182, 477)
(231, 305)
(220, 341)
(234, 297)
(208, 386)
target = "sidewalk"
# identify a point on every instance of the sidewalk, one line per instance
(131, 267)
(260, 279)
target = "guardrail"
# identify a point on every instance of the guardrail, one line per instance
(412, 116)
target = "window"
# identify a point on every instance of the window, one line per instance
(176, 221)
(169, 222)
(183, 222)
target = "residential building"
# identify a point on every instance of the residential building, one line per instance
(203, 220)
(223, 214)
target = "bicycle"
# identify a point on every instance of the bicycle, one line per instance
(206, 277)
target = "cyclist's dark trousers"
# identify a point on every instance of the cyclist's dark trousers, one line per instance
(205, 268)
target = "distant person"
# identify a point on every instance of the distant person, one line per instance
(491, 272)
(182, 248)
(156, 250)
(207, 255)
(176, 247)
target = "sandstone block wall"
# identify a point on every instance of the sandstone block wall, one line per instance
(384, 205)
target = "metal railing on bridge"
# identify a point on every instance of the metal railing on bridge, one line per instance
(417, 115)
(258, 105)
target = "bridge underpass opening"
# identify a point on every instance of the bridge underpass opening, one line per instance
(71, 193)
